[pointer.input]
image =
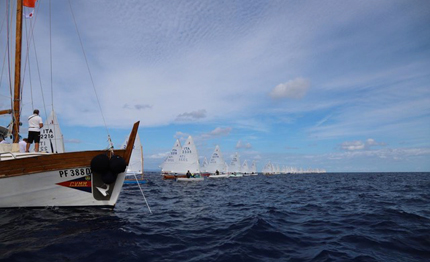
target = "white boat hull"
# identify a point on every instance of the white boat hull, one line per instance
(191, 179)
(219, 176)
(64, 188)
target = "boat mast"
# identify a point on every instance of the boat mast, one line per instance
(17, 93)
(141, 156)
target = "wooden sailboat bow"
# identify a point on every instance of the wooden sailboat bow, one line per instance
(59, 179)
(130, 143)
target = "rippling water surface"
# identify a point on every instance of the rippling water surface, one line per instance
(308, 217)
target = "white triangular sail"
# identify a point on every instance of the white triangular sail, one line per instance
(245, 168)
(225, 167)
(51, 138)
(204, 165)
(253, 167)
(268, 168)
(171, 163)
(135, 167)
(216, 162)
(189, 158)
(235, 164)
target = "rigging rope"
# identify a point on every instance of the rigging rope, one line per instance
(30, 39)
(27, 62)
(50, 54)
(8, 54)
(141, 191)
(52, 82)
(6, 18)
(37, 59)
(91, 77)
(8, 25)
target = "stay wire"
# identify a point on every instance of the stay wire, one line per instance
(37, 59)
(4, 21)
(50, 55)
(27, 62)
(91, 77)
(9, 23)
(52, 82)
(141, 191)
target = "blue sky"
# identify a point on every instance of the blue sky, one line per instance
(339, 85)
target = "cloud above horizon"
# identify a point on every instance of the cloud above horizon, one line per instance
(243, 145)
(137, 106)
(191, 116)
(360, 145)
(293, 89)
(217, 132)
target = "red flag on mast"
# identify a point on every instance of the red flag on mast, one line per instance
(29, 3)
(29, 8)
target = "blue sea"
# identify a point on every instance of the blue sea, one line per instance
(303, 217)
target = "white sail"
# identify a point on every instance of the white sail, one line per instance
(216, 162)
(235, 164)
(225, 167)
(189, 158)
(253, 167)
(51, 138)
(136, 160)
(204, 165)
(268, 168)
(171, 163)
(277, 170)
(245, 168)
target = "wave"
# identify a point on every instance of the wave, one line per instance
(334, 217)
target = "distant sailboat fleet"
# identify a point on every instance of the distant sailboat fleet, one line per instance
(271, 169)
(183, 164)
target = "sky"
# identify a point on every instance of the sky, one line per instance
(337, 85)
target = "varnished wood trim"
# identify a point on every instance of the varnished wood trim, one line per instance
(130, 142)
(51, 162)
(5, 112)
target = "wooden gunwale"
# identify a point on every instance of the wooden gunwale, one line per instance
(53, 162)
(173, 176)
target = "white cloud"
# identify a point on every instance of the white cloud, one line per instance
(181, 136)
(322, 121)
(191, 116)
(360, 145)
(372, 142)
(294, 89)
(385, 153)
(353, 145)
(137, 106)
(217, 132)
(241, 145)
(159, 155)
